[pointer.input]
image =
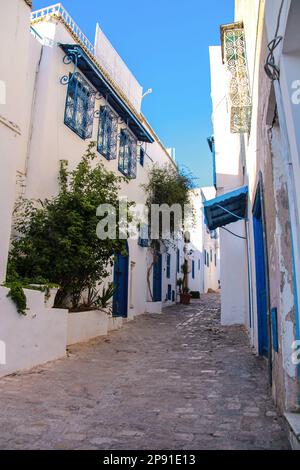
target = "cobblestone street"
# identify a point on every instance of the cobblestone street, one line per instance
(175, 381)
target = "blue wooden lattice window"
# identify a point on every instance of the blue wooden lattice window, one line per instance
(107, 133)
(168, 266)
(127, 155)
(79, 111)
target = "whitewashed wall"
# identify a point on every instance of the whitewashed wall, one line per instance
(229, 167)
(14, 36)
(51, 141)
(34, 339)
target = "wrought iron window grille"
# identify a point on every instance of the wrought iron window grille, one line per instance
(235, 60)
(107, 140)
(127, 154)
(80, 102)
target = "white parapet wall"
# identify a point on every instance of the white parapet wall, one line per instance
(83, 326)
(31, 340)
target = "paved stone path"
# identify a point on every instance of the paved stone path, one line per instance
(175, 381)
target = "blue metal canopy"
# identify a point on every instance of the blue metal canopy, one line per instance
(85, 64)
(227, 208)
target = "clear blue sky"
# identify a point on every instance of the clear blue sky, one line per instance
(165, 44)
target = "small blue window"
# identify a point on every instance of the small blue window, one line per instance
(168, 266)
(169, 292)
(80, 102)
(199, 264)
(142, 156)
(178, 261)
(193, 269)
(127, 155)
(143, 240)
(205, 257)
(207, 261)
(107, 133)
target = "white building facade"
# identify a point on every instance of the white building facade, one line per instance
(74, 91)
(256, 132)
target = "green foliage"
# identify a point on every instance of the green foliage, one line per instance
(17, 295)
(169, 185)
(57, 239)
(106, 295)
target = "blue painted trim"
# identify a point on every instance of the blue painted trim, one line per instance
(168, 266)
(211, 143)
(296, 296)
(296, 302)
(226, 197)
(274, 320)
(95, 76)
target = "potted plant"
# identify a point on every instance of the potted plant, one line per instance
(185, 297)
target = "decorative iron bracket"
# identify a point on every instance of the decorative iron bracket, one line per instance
(72, 56)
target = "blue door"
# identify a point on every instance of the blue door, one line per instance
(120, 299)
(261, 287)
(157, 279)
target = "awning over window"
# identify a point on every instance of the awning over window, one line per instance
(101, 83)
(225, 209)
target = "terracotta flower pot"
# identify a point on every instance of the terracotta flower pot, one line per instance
(185, 299)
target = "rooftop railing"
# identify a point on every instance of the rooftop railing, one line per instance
(58, 10)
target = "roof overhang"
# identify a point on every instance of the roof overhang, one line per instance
(226, 209)
(102, 85)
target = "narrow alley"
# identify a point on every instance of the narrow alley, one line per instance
(174, 381)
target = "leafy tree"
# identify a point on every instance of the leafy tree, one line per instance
(168, 185)
(56, 240)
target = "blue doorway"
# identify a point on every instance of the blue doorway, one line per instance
(261, 285)
(120, 299)
(157, 279)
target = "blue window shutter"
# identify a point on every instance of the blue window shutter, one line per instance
(142, 156)
(107, 133)
(178, 261)
(79, 110)
(127, 155)
(168, 266)
(199, 264)
(193, 269)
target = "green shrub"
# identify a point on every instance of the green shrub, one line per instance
(57, 239)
